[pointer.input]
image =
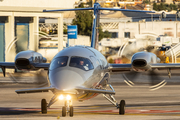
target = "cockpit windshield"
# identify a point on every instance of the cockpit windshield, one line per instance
(58, 62)
(82, 63)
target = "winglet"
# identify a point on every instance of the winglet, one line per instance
(4, 70)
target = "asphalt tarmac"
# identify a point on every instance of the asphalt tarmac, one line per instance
(142, 103)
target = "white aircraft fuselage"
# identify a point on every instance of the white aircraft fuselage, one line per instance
(67, 77)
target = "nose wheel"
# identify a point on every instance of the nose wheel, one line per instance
(68, 108)
(64, 111)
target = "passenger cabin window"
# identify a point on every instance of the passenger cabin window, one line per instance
(82, 63)
(58, 62)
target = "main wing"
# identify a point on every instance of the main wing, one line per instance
(7, 64)
(162, 66)
(4, 65)
(11, 65)
(42, 65)
(120, 67)
(128, 67)
(36, 65)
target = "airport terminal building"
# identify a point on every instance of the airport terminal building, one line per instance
(19, 24)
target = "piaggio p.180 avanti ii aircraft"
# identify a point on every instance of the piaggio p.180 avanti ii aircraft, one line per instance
(81, 72)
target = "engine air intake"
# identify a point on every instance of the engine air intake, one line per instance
(139, 63)
(22, 63)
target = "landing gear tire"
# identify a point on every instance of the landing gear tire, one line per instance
(64, 111)
(122, 107)
(71, 111)
(43, 106)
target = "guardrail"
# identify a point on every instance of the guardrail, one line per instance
(173, 52)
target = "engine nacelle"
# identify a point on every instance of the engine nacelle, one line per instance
(142, 61)
(27, 59)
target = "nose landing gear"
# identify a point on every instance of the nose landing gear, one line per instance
(68, 108)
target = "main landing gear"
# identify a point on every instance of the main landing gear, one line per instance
(120, 106)
(43, 106)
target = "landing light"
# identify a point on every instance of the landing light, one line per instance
(61, 97)
(68, 97)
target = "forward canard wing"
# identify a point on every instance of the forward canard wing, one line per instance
(34, 90)
(90, 90)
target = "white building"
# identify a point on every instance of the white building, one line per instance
(19, 24)
(13, 5)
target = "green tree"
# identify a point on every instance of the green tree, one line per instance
(90, 3)
(65, 29)
(178, 5)
(155, 7)
(84, 19)
(175, 7)
(171, 6)
(146, 2)
(161, 6)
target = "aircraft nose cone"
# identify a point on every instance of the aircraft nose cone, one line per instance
(65, 79)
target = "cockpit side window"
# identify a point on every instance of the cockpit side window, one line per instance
(58, 62)
(82, 63)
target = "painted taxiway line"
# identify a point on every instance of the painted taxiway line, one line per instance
(134, 111)
(94, 111)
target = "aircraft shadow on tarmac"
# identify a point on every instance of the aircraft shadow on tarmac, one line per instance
(17, 111)
(87, 109)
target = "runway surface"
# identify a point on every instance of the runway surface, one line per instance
(141, 103)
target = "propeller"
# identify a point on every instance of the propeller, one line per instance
(39, 76)
(156, 82)
(128, 50)
(130, 77)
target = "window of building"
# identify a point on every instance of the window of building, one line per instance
(127, 34)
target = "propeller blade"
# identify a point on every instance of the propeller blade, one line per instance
(156, 81)
(130, 77)
(39, 76)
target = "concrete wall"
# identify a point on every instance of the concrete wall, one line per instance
(39, 3)
(170, 28)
